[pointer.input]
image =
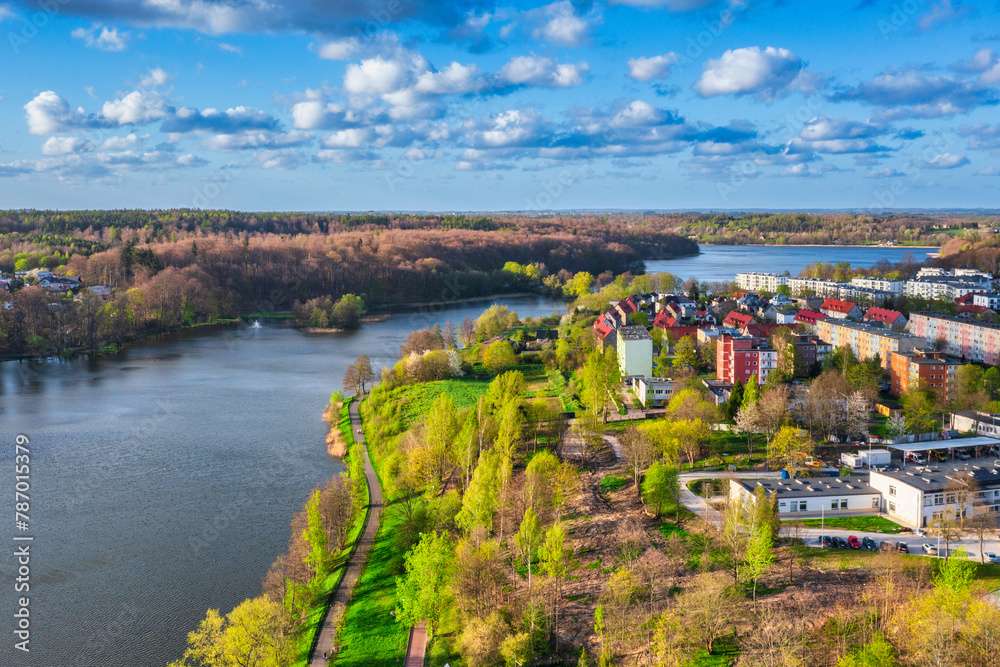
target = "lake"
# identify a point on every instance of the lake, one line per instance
(164, 478)
(722, 262)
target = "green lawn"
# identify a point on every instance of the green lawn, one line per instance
(611, 483)
(868, 524)
(370, 634)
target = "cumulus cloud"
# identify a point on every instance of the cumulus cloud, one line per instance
(54, 146)
(913, 93)
(339, 49)
(454, 79)
(137, 107)
(537, 71)
(154, 78)
(946, 161)
(256, 140)
(349, 138)
(318, 114)
(653, 67)
(940, 12)
(559, 23)
(750, 71)
(48, 113)
(102, 38)
(377, 75)
(229, 121)
(669, 5)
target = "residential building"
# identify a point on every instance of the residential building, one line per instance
(866, 340)
(890, 318)
(839, 309)
(720, 390)
(737, 320)
(923, 369)
(738, 358)
(966, 339)
(653, 392)
(635, 351)
(880, 284)
(916, 496)
(810, 351)
(989, 300)
(813, 496)
(973, 421)
(760, 282)
(809, 317)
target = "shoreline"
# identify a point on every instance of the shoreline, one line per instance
(821, 245)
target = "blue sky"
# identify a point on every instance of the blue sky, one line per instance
(434, 105)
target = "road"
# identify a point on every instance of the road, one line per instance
(341, 596)
(698, 505)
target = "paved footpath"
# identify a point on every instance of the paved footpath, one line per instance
(356, 563)
(416, 647)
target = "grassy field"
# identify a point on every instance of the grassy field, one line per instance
(868, 524)
(370, 634)
(610, 483)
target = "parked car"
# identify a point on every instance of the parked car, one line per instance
(853, 542)
(840, 543)
(902, 547)
(868, 544)
(991, 557)
(963, 455)
(929, 549)
(886, 545)
(825, 541)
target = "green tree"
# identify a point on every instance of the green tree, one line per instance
(969, 391)
(579, 284)
(751, 392)
(499, 356)
(256, 633)
(347, 311)
(316, 536)
(555, 560)
(598, 378)
(686, 353)
(423, 592)
(527, 538)
(789, 447)
(482, 499)
(919, 411)
(758, 558)
(876, 653)
(660, 489)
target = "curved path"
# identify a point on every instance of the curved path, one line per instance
(356, 563)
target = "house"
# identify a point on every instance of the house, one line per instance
(653, 392)
(810, 351)
(839, 309)
(738, 358)
(719, 389)
(819, 496)
(923, 369)
(890, 318)
(625, 307)
(673, 327)
(737, 320)
(808, 317)
(604, 331)
(635, 351)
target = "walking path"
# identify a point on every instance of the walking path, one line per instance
(416, 648)
(342, 595)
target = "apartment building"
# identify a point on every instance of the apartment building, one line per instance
(756, 281)
(919, 368)
(738, 358)
(635, 351)
(866, 340)
(963, 338)
(880, 284)
(989, 300)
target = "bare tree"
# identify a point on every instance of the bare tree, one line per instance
(639, 452)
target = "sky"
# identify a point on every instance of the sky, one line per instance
(432, 105)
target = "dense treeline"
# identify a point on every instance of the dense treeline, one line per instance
(173, 268)
(978, 251)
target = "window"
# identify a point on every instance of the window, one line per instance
(892, 490)
(950, 498)
(892, 506)
(938, 499)
(843, 503)
(875, 503)
(803, 506)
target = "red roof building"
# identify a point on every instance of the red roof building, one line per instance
(737, 320)
(887, 316)
(738, 358)
(840, 309)
(810, 317)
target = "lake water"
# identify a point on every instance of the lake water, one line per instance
(722, 262)
(164, 479)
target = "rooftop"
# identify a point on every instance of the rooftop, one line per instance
(852, 485)
(984, 417)
(870, 328)
(952, 318)
(952, 443)
(941, 476)
(633, 333)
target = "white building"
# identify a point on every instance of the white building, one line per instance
(653, 392)
(755, 281)
(880, 284)
(916, 496)
(981, 423)
(812, 496)
(867, 458)
(635, 351)
(945, 289)
(990, 300)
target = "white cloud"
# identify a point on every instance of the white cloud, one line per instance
(55, 146)
(375, 76)
(257, 139)
(154, 78)
(669, 5)
(509, 128)
(317, 114)
(653, 67)
(339, 49)
(230, 48)
(561, 24)
(537, 71)
(350, 138)
(947, 161)
(48, 113)
(751, 70)
(102, 38)
(135, 108)
(5, 12)
(130, 140)
(454, 79)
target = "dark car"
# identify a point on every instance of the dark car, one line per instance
(825, 541)
(902, 548)
(840, 543)
(853, 542)
(868, 544)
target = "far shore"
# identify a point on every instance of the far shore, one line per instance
(825, 245)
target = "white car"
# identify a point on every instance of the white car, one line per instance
(991, 557)
(929, 549)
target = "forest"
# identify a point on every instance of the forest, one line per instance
(170, 269)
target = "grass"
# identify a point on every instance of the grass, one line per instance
(725, 650)
(706, 488)
(560, 389)
(867, 524)
(370, 634)
(610, 483)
